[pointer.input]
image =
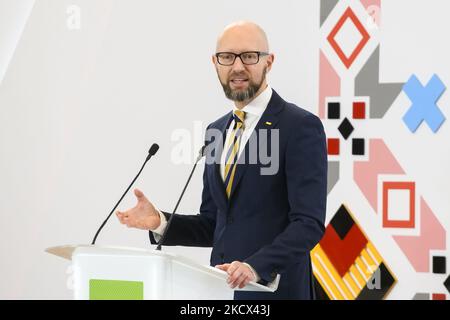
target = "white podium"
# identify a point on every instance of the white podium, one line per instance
(131, 273)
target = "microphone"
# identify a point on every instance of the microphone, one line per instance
(201, 153)
(151, 152)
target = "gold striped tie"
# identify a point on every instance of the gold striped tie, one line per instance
(233, 150)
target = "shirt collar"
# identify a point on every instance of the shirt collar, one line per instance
(259, 104)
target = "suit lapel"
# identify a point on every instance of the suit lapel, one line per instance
(268, 121)
(217, 177)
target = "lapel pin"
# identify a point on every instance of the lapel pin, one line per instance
(268, 123)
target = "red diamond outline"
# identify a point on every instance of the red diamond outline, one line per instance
(348, 14)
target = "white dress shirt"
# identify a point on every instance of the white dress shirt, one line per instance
(253, 112)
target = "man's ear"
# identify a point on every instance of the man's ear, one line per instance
(270, 60)
(213, 59)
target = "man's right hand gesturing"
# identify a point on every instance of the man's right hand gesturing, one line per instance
(142, 216)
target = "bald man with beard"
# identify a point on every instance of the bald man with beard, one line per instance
(261, 227)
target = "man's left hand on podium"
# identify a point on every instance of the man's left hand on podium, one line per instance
(239, 274)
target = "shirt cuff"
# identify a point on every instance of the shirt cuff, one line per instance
(257, 277)
(162, 224)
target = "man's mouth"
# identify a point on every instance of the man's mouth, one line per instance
(239, 81)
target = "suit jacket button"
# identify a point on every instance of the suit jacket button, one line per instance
(230, 220)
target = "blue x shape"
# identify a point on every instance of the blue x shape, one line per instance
(424, 107)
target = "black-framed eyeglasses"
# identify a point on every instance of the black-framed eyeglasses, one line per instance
(247, 57)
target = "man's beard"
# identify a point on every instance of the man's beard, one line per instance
(246, 94)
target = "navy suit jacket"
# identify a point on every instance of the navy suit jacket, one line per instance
(270, 221)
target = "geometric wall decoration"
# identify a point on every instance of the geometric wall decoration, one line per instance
(421, 296)
(400, 211)
(330, 83)
(438, 296)
(424, 107)
(382, 95)
(427, 296)
(343, 241)
(347, 265)
(346, 128)
(359, 110)
(325, 8)
(432, 237)
(365, 171)
(439, 264)
(447, 284)
(403, 214)
(333, 146)
(333, 175)
(334, 110)
(358, 146)
(348, 59)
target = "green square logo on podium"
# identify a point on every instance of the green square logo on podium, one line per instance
(115, 290)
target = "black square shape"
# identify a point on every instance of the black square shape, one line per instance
(334, 110)
(439, 265)
(358, 147)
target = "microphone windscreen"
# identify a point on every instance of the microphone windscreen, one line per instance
(201, 152)
(153, 149)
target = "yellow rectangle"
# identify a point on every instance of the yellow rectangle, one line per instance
(356, 290)
(324, 280)
(373, 264)
(374, 252)
(357, 275)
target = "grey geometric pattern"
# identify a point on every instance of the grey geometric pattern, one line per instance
(333, 175)
(382, 95)
(326, 6)
(421, 296)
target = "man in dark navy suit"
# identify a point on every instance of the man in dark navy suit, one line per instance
(264, 183)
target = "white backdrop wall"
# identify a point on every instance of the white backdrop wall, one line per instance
(81, 103)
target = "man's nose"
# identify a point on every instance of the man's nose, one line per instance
(238, 65)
